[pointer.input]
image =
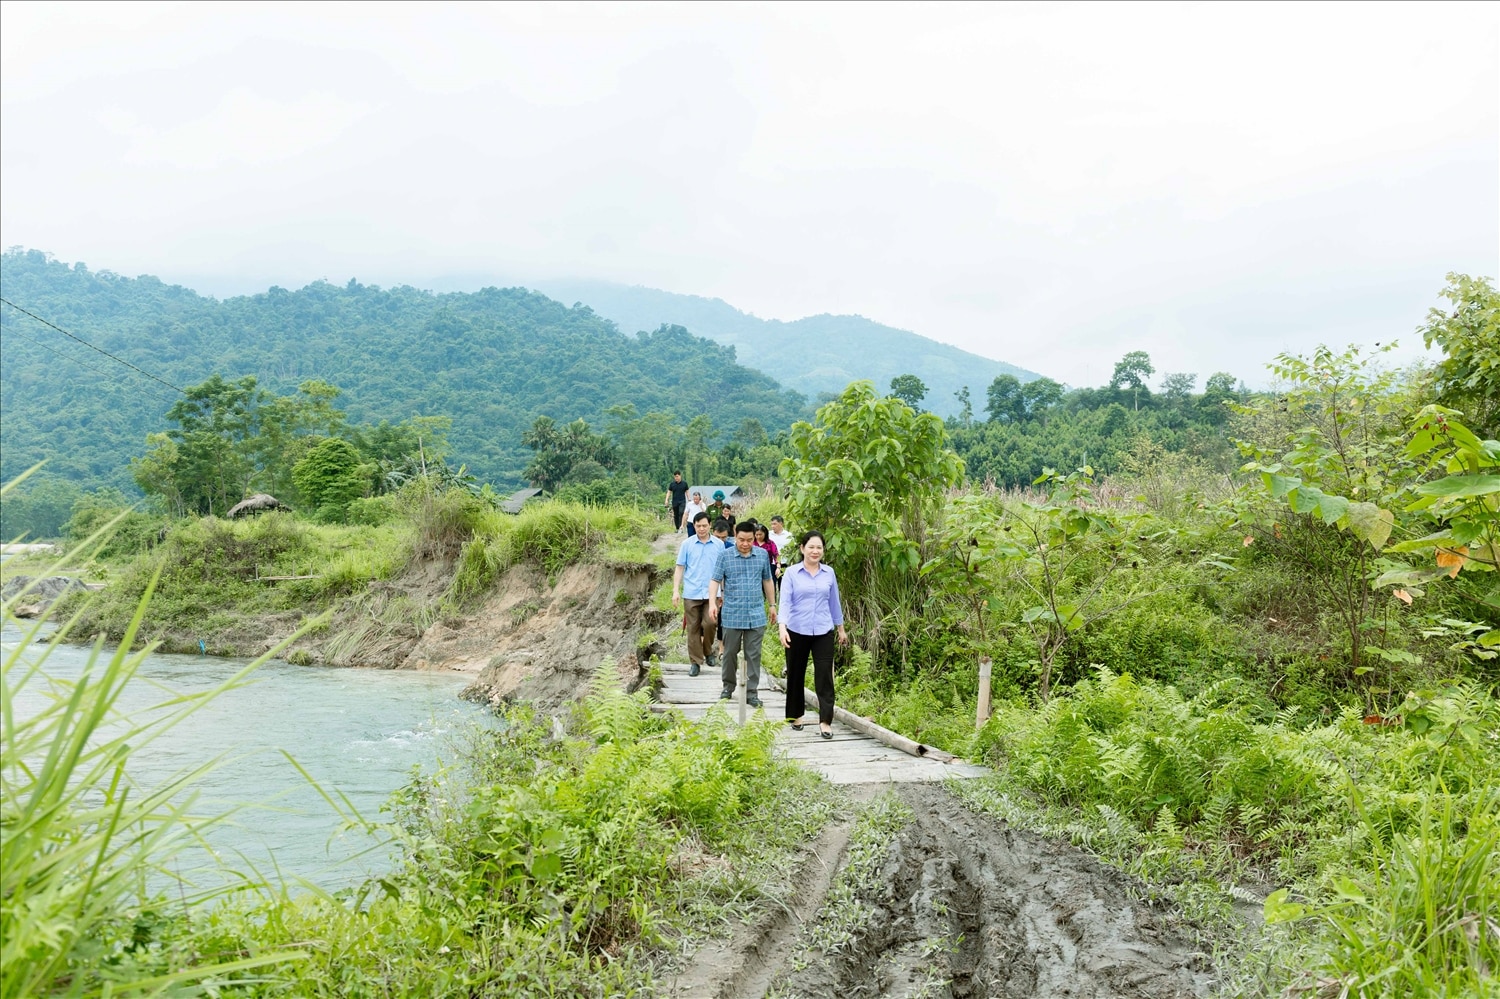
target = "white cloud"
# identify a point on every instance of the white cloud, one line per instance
(243, 128)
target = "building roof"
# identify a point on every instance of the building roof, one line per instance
(518, 499)
(731, 493)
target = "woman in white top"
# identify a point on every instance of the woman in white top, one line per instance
(785, 545)
(695, 506)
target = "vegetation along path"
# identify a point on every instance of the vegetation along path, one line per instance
(852, 757)
(922, 897)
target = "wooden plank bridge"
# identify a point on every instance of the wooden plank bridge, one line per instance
(851, 757)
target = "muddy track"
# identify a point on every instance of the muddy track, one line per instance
(968, 907)
(745, 964)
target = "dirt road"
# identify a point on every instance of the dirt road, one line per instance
(962, 906)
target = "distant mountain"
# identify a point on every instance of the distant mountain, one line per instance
(814, 355)
(493, 361)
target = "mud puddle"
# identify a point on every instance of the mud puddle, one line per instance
(966, 906)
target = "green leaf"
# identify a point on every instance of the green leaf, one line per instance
(546, 866)
(1333, 508)
(1304, 499)
(1279, 910)
(1345, 888)
(1280, 485)
(1461, 485)
(1370, 523)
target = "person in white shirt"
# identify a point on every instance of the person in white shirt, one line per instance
(786, 546)
(694, 507)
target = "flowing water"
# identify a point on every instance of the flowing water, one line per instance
(358, 733)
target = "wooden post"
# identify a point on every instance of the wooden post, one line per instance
(982, 714)
(741, 670)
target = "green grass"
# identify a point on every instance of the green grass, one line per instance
(551, 536)
(210, 566)
(1385, 835)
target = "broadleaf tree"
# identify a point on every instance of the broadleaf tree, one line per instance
(870, 472)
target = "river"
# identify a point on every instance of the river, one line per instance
(358, 733)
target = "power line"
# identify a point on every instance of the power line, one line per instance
(11, 330)
(101, 350)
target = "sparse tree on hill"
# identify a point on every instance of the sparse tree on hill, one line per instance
(965, 407)
(1131, 372)
(1005, 402)
(1041, 396)
(1177, 386)
(909, 389)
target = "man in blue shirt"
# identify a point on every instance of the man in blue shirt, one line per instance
(744, 577)
(697, 558)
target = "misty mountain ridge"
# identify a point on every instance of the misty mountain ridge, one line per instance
(492, 360)
(814, 355)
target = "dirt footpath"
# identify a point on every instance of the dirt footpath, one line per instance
(966, 906)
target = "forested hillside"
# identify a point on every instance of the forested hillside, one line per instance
(815, 355)
(492, 361)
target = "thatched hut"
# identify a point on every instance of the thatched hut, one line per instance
(259, 503)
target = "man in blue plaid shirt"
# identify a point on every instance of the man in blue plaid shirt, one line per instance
(745, 578)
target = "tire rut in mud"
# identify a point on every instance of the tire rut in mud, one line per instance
(969, 907)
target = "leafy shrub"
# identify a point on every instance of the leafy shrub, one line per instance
(373, 511)
(132, 531)
(1279, 790)
(615, 491)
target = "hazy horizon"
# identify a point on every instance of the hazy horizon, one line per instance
(1045, 186)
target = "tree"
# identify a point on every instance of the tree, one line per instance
(331, 476)
(1131, 372)
(288, 425)
(1220, 384)
(965, 407)
(909, 389)
(699, 461)
(651, 445)
(1178, 386)
(1217, 391)
(1061, 553)
(1342, 470)
(39, 509)
(1041, 396)
(1005, 402)
(870, 473)
(558, 450)
(158, 474)
(751, 433)
(216, 443)
(1468, 377)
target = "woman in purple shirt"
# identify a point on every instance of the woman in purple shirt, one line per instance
(810, 614)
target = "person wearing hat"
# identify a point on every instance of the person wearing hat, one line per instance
(716, 508)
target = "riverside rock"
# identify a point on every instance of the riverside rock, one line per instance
(40, 593)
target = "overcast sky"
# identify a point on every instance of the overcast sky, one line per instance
(1047, 185)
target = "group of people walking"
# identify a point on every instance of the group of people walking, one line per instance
(732, 589)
